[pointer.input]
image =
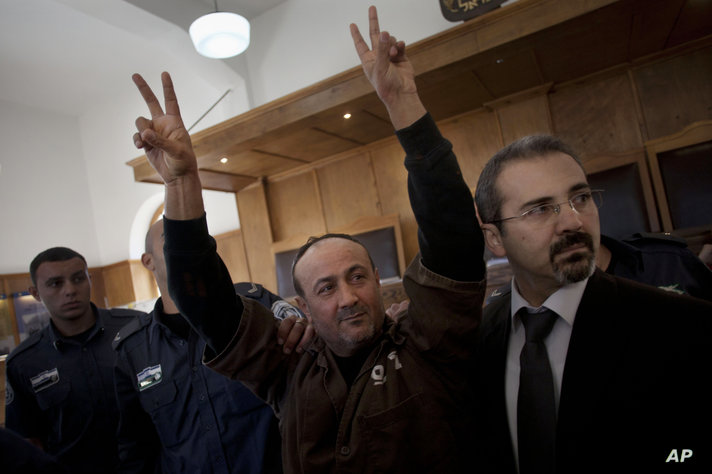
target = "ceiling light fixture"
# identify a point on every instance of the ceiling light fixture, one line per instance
(347, 116)
(220, 35)
(223, 160)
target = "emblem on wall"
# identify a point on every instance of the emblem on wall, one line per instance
(461, 10)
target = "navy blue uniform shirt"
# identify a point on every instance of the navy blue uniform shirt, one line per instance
(662, 261)
(60, 390)
(179, 416)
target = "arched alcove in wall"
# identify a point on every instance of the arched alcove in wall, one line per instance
(220, 209)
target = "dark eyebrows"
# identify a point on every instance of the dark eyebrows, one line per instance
(79, 273)
(546, 199)
(51, 280)
(54, 279)
(579, 187)
(331, 278)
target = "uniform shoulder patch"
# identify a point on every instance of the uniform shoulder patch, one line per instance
(140, 320)
(641, 239)
(499, 293)
(9, 393)
(25, 345)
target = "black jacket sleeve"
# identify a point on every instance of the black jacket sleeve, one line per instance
(199, 282)
(450, 239)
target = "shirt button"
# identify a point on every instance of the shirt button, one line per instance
(195, 369)
(202, 397)
(345, 450)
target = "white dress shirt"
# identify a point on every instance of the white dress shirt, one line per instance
(564, 302)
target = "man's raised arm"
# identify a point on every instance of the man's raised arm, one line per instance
(450, 239)
(198, 281)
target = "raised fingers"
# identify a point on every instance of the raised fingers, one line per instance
(361, 46)
(169, 95)
(148, 96)
(374, 29)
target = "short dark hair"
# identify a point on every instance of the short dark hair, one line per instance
(54, 254)
(487, 198)
(311, 241)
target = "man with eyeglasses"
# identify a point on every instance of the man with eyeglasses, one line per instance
(578, 370)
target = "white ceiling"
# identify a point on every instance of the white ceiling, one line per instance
(63, 55)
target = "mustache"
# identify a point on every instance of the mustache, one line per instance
(345, 313)
(569, 240)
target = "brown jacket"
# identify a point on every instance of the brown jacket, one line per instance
(405, 410)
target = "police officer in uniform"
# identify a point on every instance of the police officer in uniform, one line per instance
(60, 379)
(660, 260)
(178, 416)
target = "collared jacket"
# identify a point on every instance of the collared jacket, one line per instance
(62, 392)
(405, 410)
(178, 416)
(661, 261)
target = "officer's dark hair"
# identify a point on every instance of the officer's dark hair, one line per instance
(311, 241)
(54, 254)
(487, 198)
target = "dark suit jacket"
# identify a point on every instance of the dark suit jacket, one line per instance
(634, 386)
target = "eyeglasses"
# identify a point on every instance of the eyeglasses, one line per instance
(581, 203)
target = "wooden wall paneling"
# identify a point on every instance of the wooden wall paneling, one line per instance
(675, 92)
(524, 113)
(257, 235)
(637, 156)
(308, 144)
(119, 283)
(392, 184)
(697, 132)
(638, 106)
(597, 116)
(369, 223)
(348, 190)
(17, 282)
(252, 163)
(231, 249)
(5, 288)
(295, 206)
(98, 288)
(475, 137)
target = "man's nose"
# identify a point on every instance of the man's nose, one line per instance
(569, 218)
(70, 288)
(347, 296)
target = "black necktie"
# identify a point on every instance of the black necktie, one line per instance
(536, 405)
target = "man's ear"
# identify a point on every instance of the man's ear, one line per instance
(493, 240)
(301, 302)
(35, 294)
(147, 261)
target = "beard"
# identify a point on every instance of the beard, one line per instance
(367, 333)
(577, 266)
(345, 341)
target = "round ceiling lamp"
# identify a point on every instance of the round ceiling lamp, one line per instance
(220, 35)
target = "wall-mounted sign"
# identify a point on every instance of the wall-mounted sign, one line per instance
(461, 10)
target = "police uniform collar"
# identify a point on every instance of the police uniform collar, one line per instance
(58, 340)
(623, 252)
(178, 328)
